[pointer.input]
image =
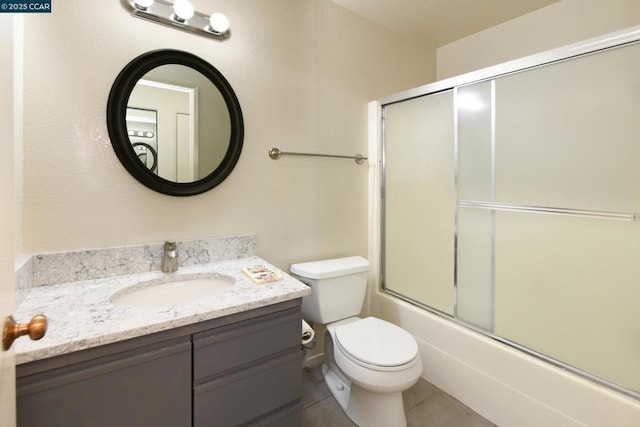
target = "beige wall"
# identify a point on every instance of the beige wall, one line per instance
(303, 71)
(562, 23)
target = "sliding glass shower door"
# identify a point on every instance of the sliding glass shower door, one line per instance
(511, 205)
(420, 200)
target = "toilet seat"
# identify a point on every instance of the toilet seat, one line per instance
(376, 344)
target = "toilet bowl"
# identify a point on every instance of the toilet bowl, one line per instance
(377, 355)
(368, 362)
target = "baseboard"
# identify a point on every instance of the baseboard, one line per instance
(313, 360)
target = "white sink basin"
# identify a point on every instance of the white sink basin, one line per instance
(159, 293)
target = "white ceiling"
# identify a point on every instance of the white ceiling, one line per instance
(439, 22)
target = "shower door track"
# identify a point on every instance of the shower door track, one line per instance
(488, 334)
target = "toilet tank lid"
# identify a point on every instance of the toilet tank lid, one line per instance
(330, 267)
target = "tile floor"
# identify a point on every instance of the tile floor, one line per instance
(425, 405)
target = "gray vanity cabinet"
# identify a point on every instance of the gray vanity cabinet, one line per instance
(243, 369)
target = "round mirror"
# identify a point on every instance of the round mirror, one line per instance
(175, 122)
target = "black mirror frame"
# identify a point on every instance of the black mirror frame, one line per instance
(117, 125)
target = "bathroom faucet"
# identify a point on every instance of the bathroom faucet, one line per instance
(170, 257)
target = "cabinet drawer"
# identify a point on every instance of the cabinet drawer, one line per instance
(226, 348)
(249, 394)
(149, 388)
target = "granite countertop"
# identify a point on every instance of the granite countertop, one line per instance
(81, 316)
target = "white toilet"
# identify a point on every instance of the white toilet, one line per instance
(369, 362)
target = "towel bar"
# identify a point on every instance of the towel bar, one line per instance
(275, 154)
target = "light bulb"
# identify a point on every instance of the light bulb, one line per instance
(142, 4)
(183, 9)
(219, 23)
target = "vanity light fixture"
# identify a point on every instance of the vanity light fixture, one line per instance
(181, 14)
(183, 10)
(141, 133)
(218, 23)
(142, 4)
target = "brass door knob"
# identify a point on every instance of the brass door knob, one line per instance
(36, 329)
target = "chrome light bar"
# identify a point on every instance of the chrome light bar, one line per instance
(181, 15)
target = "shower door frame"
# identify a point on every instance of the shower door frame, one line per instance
(591, 46)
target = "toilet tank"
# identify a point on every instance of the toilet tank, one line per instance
(338, 287)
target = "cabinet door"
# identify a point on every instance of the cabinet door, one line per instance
(136, 388)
